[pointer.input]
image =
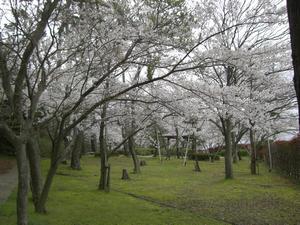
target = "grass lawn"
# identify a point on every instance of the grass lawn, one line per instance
(167, 194)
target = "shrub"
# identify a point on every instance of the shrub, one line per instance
(243, 153)
(221, 153)
(202, 156)
(144, 151)
(286, 157)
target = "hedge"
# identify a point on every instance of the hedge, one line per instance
(286, 157)
(243, 153)
(202, 156)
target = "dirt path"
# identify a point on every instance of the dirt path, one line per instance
(8, 182)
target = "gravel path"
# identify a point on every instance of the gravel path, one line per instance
(8, 182)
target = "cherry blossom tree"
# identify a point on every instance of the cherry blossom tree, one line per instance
(63, 62)
(239, 52)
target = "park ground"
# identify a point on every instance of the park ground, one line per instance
(165, 194)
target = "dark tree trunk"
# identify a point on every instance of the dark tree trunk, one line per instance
(168, 149)
(157, 151)
(55, 160)
(104, 170)
(41, 206)
(197, 166)
(234, 148)
(131, 143)
(83, 149)
(33, 153)
(93, 144)
(253, 152)
(239, 155)
(77, 149)
(177, 143)
(194, 149)
(125, 145)
(293, 9)
(194, 143)
(23, 175)
(212, 158)
(135, 159)
(105, 179)
(228, 150)
(67, 146)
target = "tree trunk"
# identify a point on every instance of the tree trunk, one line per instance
(253, 152)
(107, 181)
(158, 145)
(64, 159)
(194, 149)
(33, 153)
(155, 152)
(125, 145)
(168, 149)
(103, 152)
(197, 166)
(41, 206)
(239, 155)
(135, 159)
(293, 9)
(23, 177)
(77, 149)
(186, 151)
(177, 143)
(228, 150)
(270, 156)
(131, 144)
(234, 148)
(55, 160)
(93, 144)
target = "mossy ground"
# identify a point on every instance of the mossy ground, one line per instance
(165, 194)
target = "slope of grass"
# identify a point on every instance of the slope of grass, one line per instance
(163, 194)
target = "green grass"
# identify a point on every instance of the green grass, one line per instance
(165, 194)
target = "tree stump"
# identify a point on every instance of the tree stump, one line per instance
(143, 163)
(125, 175)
